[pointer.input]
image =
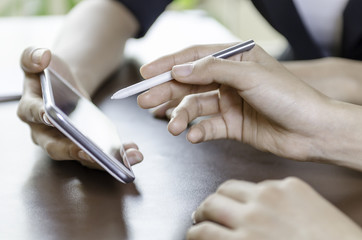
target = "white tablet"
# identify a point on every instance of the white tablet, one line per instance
(82, 122)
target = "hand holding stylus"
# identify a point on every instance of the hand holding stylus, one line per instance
(165, 77)
(251, 98)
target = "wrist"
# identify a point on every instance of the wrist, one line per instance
(339, 139)
(337, 78)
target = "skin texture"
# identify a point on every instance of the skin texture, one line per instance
(338, 78)
(254, 99)
(278, 209)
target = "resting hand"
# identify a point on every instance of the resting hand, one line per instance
(31, 111)
(272, 210)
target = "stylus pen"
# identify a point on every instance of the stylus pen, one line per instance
(165, 77)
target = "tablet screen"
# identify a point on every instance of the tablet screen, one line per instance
(82, 121)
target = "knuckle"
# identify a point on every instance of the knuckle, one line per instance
(256, 50)
(198, 102)
(252, 213)
(191, 102)
(27, 52)
(226, 185)
(208, 129)
(211, 67)
(29, 110)
(209, 202)
(207, 206)
(34, 138)
(73, 151)
(129, 145)
(292, 183)
(211, 128)
(21, 111)
(179, 57)
(26, 58)
(268, 192)
(194, 49)
(188, 99)
(180, 111)
(186, 106)
(211, 63)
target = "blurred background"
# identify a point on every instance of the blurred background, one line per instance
(35, 7)
(36, 22)
(239, 16)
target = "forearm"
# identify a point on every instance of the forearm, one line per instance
(340, 140)
(92, 40)
(337, 78)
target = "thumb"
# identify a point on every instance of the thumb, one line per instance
(35, 60)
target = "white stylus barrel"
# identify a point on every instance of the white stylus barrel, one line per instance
(142, 86)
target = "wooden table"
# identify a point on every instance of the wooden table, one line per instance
(44, 199)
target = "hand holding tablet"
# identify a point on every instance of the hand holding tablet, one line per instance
(82, 122)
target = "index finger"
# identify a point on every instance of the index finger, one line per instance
(238, 190)
(31, 108)
(190, 54)
(170, 91)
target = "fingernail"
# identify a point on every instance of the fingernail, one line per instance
(134, 160)
(37, 55)
(46, 120)
(183, 70)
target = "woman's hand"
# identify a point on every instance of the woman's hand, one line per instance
(286, 209)
(31, 111)
(251, 98)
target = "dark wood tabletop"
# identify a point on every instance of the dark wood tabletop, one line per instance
(46, 199)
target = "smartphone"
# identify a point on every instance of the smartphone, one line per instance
(85, 124)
